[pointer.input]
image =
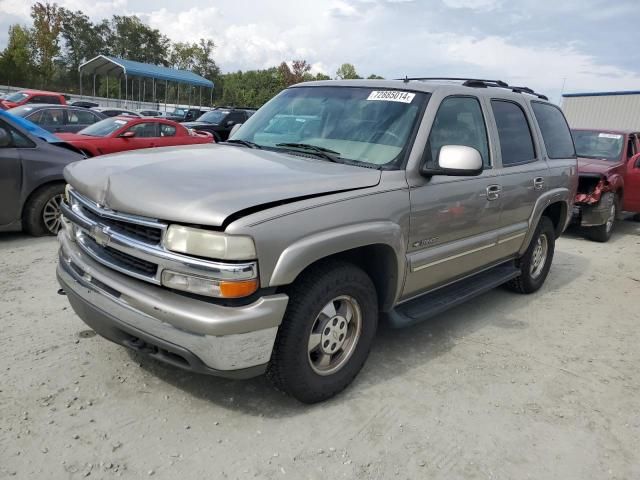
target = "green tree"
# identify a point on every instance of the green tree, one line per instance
(373, 76)
(16, 67)
(321, 76)
(252, 88)
(47, 25)
(128, 37)
(347, 72)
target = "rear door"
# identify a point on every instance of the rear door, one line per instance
(167, 135)
(11, 175)
(78, 119)
(524, 173)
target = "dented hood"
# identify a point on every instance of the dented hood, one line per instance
(204, 184)
(592, 165)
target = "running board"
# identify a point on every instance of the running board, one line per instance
(444, 298)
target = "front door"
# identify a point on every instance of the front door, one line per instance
(453, 219)
(10, 176)
(632, 185)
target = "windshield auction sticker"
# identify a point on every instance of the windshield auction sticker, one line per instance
(613, 136)
(391, 96)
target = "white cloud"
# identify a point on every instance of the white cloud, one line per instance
(473, 4)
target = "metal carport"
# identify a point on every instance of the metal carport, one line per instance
(105, 65)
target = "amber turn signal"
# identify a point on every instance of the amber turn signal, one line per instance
(238, 289)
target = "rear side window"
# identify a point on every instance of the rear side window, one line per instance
(554, 129)
(516, 143)
(54, 100)
(81, 117)
(459, 121)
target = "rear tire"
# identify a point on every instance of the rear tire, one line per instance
(326, 333)
(41, 214)
(536, 262)
(602, 233)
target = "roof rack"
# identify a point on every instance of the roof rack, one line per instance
(480, 83)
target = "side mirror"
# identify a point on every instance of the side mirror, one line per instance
(5, 138)
(235, 128)
(456, 160)
(128, 134)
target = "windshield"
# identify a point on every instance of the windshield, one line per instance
(601, 145)
(17, 97)
(354, 123)
(104, 128)
(214, 116)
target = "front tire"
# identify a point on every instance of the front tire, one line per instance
(602, 233)
(536, 262)
(327, 332)
(41, 214)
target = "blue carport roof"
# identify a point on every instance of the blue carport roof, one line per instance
(107, 65)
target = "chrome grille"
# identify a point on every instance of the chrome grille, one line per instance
(143, 233)
(133, 245)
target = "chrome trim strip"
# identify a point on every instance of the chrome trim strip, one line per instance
(156, 254)
(452, 257)
(512, 237)
(108, 213)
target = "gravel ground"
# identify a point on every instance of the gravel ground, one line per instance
(507, 387)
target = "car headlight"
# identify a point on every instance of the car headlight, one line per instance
(209, 286)
(205, 243)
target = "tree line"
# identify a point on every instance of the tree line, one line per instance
(47, 56)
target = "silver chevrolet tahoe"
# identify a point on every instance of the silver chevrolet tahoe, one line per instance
(336, 205)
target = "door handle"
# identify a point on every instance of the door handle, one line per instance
(493, 192)
(538, 183)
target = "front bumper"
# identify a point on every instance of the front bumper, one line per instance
(593, 215)
(190, 333)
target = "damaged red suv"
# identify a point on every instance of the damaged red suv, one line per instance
(609, 179)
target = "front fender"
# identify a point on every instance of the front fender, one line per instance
(299, 255)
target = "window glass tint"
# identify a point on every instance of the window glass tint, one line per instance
(18, 140)
(167, 130)
(53, 116)
(555, 131)
(52, 99)
(459, 121)
(516, 144)
(144, 130)
(81, 117)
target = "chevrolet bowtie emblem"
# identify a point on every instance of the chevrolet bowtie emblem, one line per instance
(100, 235)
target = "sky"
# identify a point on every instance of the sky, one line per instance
(551, 46)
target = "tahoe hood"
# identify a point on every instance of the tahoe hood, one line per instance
(204, 184)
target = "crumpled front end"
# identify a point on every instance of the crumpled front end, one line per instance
(590, 209)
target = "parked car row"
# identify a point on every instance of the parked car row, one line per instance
(32, 158)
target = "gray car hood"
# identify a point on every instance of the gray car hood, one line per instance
(205, 184)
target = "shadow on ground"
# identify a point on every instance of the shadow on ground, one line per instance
(394, 351)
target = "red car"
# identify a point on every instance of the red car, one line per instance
(117, 134)
(32, 96)
(609, 179)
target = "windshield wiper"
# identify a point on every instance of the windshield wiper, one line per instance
(245, 143)
(327, 153)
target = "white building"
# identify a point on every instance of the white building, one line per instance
(603, 110)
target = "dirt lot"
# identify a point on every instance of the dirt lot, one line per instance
(506, 387)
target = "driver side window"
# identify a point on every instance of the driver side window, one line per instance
(459, 121)
(16, 139)
(144, 130)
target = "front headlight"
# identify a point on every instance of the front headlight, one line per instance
(209, 286)
(205, 243)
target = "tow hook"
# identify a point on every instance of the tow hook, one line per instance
(61, 292)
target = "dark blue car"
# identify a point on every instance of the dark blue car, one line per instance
(31, 180)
